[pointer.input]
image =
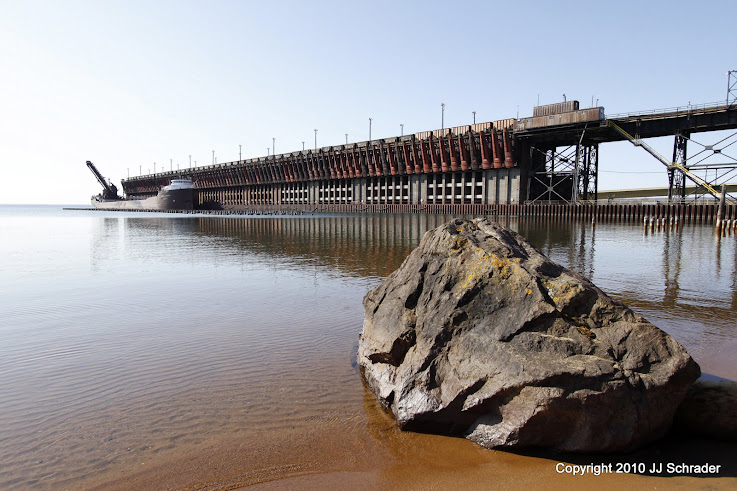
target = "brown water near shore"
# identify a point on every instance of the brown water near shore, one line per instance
(217, 353)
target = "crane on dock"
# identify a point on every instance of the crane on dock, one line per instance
(109, 190)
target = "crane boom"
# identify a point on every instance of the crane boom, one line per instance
(109, 189)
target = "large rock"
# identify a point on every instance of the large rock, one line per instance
(479, 334)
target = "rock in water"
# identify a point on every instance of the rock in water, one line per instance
(479, 334)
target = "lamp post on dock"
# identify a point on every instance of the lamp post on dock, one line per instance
(315, 138)
(240, 155)
(154, 169)
(401, 129)
(190, 161)
(474, 117)
(442, 115)
(273, 146)
(213, 157)
(303, 145)
(346, 138)
(370, 120)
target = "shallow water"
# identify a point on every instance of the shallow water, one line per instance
(145, 350)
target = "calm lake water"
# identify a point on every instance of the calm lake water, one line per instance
(199, 352)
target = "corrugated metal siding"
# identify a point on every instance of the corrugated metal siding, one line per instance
(592, 114)
(480, 127)
(557, 108)
(503, 124)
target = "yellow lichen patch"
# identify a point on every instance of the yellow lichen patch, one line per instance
(561, 292)
(459, 243)
(528, 291)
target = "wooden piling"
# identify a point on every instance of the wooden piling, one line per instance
(721, 209)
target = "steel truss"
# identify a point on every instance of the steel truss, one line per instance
(676, 178)
(702, 162)
(587, 165)
(565, 174)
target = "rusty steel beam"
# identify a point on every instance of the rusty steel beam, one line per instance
(342, 171)
(496, 145)
(310, 167)
(322, 170)
(370, 161)
(463, 153)
(392, 161)
(472, 152)
(443, 155)
(415, 157)
(407, 163)
(485, 161)
(508, 153)
(354, 161)
(335, 169)
(432, 156)
(452, 152)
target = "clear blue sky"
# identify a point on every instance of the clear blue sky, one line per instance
(129, 83)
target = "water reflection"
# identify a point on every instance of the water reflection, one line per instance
(369, 246)
(131, 337)
(671, 265)
(695, 269)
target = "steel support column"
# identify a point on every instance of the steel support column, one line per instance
(676, 178)
(587, 171)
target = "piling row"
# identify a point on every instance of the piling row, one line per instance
(701, 213)
(202, 212)
(696, 213)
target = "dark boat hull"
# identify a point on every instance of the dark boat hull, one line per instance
(167, 199)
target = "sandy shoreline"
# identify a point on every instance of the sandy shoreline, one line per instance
(375, 454)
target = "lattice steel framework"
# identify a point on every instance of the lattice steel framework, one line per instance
(552, 181)
(565, 174)
(587, 166)
(705, 164)
(731, 87)
(676, 178)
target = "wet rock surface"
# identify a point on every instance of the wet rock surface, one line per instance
(478, 334)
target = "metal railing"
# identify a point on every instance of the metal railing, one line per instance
(690, 108)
